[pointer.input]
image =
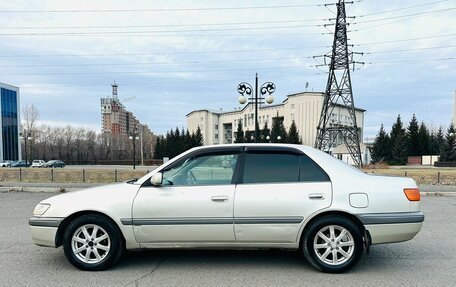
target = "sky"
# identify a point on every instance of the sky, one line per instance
(177, 56)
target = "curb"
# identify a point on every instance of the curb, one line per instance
(37, 189)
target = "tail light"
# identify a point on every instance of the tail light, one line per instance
(412, 194)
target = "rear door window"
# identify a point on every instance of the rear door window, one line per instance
(266, 167)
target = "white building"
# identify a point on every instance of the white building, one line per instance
(341, 152)
(304, 108)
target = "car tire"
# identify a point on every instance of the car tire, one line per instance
(327, 249)
(89, 251)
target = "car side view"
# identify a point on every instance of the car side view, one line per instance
(235, 196)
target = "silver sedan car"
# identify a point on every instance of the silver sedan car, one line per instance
(235, 196)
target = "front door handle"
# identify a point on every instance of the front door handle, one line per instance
(316, 196)
(219, 198)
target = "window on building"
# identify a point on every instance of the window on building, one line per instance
(216, 136)
(216, 127)
(292, 106)
(292, 117)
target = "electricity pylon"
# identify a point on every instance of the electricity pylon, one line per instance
(339, 93)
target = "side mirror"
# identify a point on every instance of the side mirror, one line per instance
(157, 179)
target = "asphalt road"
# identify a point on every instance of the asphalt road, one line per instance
(427, 260)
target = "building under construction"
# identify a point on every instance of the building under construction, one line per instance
(116, 119)
(119, 126)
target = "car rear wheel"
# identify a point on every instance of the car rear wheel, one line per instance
(93, 242)
(333, 244)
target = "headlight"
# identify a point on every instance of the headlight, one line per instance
(40, 209)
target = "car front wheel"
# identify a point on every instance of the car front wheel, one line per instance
(93, 242)
(333, 244)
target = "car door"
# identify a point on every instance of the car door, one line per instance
(194, 202)
(278, 189)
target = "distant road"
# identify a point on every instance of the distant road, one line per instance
(138, 167)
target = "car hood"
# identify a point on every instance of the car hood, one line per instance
(105, 199)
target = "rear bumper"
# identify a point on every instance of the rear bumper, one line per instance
(44, 230)
(392, 227)
(390, 233)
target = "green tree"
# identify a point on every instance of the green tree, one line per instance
(188, 141)
(278, 132)
(381, 150)
(398, 140)
(239, 136)
(424, 139)
(264, 133)
(448, 151)
(199, 141)
(412, 135)
(399, 150)
(437, 141)
(293, 135)
(249, 136)
(157, 149)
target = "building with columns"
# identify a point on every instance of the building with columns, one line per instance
(304, 108)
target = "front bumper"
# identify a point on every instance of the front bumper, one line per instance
(44, 230)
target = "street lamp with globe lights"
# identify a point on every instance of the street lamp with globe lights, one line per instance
(134, 137)
(26, 136)
(246, 89)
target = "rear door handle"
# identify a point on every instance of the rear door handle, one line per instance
(316, 196)
(219, 198)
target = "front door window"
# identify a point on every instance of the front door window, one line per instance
(212, 169)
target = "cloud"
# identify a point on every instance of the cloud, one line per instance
(187, 78)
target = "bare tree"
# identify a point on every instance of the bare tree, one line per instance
(30, 115)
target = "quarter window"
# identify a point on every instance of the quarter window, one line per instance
(310, 171)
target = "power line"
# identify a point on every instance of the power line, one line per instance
(406, 40)
(401, 62)
(167, 25)
(164, 53)
(155, 72)
(207, 62)
(151, 31)
(155, 63)
(156, 83)
(214, 52)
(105, 33)
(162, 9)
(408, 15)
(219, 70)
(402, 8)
(210, 24)
(408, 50)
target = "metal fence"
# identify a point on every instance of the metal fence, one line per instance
(68, 175)
(425, 176)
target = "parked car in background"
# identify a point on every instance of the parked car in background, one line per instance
(5, 163)
(268, 196)
(54, 163)
(20, 163)
(38, 163)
